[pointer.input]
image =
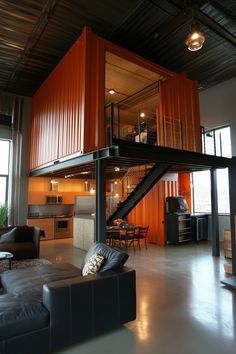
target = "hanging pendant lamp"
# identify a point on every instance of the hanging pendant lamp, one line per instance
(195, 39)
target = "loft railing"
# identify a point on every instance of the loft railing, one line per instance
(126, 123)
(216, 142)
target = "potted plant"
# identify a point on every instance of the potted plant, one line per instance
(3, 215)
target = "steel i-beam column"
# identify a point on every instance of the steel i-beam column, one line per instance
(100, 173)
(214, 215)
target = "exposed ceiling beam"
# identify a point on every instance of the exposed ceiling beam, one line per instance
(214, 26)
(224, 11)
(130, 13)
(36, 33)
(174, 23)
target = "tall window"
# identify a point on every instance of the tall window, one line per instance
(215, 142)
(4, 170)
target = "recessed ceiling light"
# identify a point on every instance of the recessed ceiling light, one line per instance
(112, 91)
(142, 114)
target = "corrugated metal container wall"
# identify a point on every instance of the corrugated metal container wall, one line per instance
(68, 109)
(178, 116)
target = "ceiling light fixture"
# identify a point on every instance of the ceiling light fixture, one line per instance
(53, 185)
(195, 39)
(112, 91)
(142, 114)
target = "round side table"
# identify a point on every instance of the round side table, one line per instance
(6, 255)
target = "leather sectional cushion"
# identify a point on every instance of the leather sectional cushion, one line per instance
(20, 314)
(8, 237)
(114, 259)
(30, 281)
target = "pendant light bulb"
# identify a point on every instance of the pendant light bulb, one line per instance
(195, 39)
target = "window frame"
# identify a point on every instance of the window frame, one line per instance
(7, 175)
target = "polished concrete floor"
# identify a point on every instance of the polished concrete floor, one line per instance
(181, 306)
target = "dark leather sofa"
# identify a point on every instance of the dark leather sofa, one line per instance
(26, 243)
(48, 307)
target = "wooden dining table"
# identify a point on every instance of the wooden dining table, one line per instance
(114, 233)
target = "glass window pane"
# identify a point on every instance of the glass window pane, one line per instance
(3, 185)
(218, 142)
(224, 142)
(202, 191)
(4, 157)
(223, 191)
(209, 140)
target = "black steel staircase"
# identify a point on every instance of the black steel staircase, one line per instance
(150, 179)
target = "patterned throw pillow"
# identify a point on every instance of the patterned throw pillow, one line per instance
(93, 265)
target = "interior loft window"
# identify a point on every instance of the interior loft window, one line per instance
(215, 142)
(4, 170)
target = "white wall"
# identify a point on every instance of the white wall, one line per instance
(218, 108)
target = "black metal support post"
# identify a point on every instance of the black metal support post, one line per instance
(100, 200)
(231, 281)
(112, 124)
(214, 215)
(118, 122)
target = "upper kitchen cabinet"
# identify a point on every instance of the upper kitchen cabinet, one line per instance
(74, 111)
(40, 188)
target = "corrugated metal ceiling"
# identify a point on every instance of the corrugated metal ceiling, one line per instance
(36, 34)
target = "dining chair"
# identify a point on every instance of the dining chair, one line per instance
(127, 236)
(140, 233)
(112, 236)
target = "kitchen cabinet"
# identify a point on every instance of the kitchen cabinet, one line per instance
(178, 228)
(45, 224)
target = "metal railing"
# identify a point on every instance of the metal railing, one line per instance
(215, 142)
(126, 123)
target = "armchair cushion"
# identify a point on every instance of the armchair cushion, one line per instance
(114, 259)
(24, 233)
(8, 237)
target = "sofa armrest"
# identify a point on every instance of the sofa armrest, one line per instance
(84, 306)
